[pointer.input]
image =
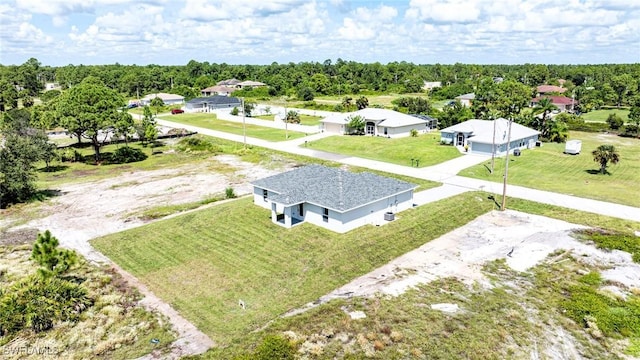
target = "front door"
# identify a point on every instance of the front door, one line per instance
(460, 141)
(371, 128)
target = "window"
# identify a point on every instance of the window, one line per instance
(300, 209)
(265, 193)
(325, 215)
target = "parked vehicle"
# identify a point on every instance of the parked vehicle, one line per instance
(177, 111)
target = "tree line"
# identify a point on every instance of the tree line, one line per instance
(593, 85)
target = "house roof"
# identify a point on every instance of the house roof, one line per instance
(163, 96)
(331, 188)
(469, 96)
(251, 83)
(231, 82)
(544, 89)
(219, 89)
(556, 100)
(215, 99)
(482, 131)
(383, 117)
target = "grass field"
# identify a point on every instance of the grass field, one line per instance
(602, 115)
(426, 148)
(209, 121)
(308, 120)
(204, 262)
(547, 168)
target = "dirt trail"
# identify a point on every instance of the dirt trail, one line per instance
(92, 209)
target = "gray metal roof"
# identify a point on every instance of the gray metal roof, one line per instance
(331, 188)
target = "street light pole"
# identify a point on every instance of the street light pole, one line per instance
(244, 125)
(506, 169)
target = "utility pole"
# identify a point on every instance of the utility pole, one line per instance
(244, 125)
(493, 146)
(506, 169)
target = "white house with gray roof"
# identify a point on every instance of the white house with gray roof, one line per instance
(378, 122)
(485, 136)
(332, 198)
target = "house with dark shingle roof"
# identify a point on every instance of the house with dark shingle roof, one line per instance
(332, 198)
(210, 103)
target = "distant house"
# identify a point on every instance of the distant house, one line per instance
(331, 198)
(167, 99)
(250, 84)
(52, 86)
(218, 90)
(378, 122)
(562, 102)
(466, 99)
(549, 89)
(210, 103)
(428, 85)
(486, 136)
(229, 82)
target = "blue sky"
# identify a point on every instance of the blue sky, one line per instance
(61, 32)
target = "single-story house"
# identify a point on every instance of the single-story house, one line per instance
(332, 198)
(428, 85)
(562, 102)
(249, 83)
(486, 136)
(378, 122)
(229, 82)
(52, 86)
(466, 99)
(167, 99)
(218, 90)
(548, 89)
(207, 104)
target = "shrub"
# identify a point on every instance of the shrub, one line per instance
(229, 193)
(235, 111)
(414, 133)
(275, 347)
(127, 155)
(615, 122)
(197, 144)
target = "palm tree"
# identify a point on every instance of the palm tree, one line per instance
(558, 131)
(604, 155)
(346, 102)
(544, 107)
(292, 117)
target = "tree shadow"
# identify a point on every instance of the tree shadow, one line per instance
(53, 168)
(42, 195)
(493, 198)
(597, 172)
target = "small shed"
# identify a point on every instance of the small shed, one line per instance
(573, 147)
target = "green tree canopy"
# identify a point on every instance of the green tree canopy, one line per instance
(90, 110)
(605, 154)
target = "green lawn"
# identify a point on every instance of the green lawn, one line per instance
(204, 262)
(425, 147)
(547, 168)
(308, 120)
(209, 121)
(602, 115)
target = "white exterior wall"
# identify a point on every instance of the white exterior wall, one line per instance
(334, 128)
(402, 131)
(258, 200)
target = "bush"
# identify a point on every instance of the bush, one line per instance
(275, 347)
(414, 133)
(126, 155)
(69, 154)
(235, 111)
(615, 122)
(197, 144)
(631, 130)
(229, 193)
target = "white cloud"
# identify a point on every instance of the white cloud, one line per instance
(354, 30)
(456, 11)
(18, 34)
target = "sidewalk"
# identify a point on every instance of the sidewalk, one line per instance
(444, 173)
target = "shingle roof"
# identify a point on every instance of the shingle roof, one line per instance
(331, 188)
(482, 130)
(216, 99)
(543, 89)
(387, 118)
(469, 96)
(556, 100)
(163, 96)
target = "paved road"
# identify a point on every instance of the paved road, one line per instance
(444, 173)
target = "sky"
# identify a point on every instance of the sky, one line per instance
(173, 32)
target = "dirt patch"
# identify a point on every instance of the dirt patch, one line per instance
(18, 237)
(84, 211)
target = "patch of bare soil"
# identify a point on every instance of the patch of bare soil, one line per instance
(18, 237)
(88, 210)
(524, 240)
